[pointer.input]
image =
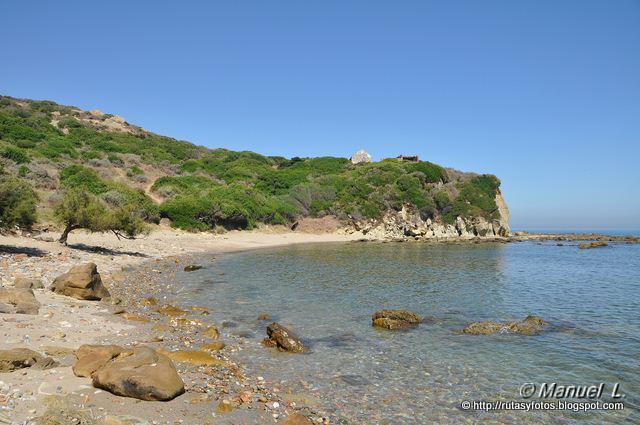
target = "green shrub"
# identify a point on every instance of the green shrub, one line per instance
(135, 171)
(232, 207)
(23, 171)
(432, 173)
(16, 155)
(79, 177)
(18, 203)
(476, 198)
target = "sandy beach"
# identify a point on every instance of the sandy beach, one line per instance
(63, 324)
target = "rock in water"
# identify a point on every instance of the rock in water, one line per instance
(395, 319)
(297, 419)
(19, 300)
(192, 268)
(82, 282)
(93, 357)
(283, 339)
(144, 374)
(171, 311)
(360, 156)
(529, 326)
(592, 245)
(211, 332)
(19, 358)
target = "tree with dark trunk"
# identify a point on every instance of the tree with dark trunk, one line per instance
(80, 209)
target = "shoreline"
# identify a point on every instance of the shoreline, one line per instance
(133, 270)
(63, 324)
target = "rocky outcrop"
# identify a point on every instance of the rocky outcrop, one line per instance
(142, 373)
(18, 300)
(395, 319)
(407, 223)
(20, 358)
(361, 156)
(82, 282)
(283, 339)
(532, 325)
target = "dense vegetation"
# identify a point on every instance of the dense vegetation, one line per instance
(63, 150)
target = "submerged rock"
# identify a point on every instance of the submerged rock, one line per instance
(192, 268)
(20, 358)
(297, 419)
(211, 332)
(213, 346)
(395, 319)
(592, 245)
(224, 406)
(149, 302)
(143, 374)
(282, 338)
(195, 357)
(82, 282)
(532, 325)
(171, 311)
(18, 300)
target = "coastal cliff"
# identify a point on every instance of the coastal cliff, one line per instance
(407, 223)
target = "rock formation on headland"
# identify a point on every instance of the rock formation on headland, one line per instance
(408, 222)
(360, 157)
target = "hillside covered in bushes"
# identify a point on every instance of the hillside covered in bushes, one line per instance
(47, 150)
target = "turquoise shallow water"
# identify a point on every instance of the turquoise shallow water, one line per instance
(327, 293)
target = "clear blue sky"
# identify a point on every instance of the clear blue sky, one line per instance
(544, 94)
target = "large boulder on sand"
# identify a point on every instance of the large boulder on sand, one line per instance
(395, 319)
(82, 282)
(93, 357)
(529, 326)
(282, 338)
(142, 373)
(19, 358)
(18, 300)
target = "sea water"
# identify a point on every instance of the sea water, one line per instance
(326, 293)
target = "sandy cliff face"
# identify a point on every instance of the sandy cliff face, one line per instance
(408, 223)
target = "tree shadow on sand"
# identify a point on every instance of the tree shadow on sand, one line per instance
(31, 252)
(105, 251)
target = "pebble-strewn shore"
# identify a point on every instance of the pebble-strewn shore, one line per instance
(217, 391)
